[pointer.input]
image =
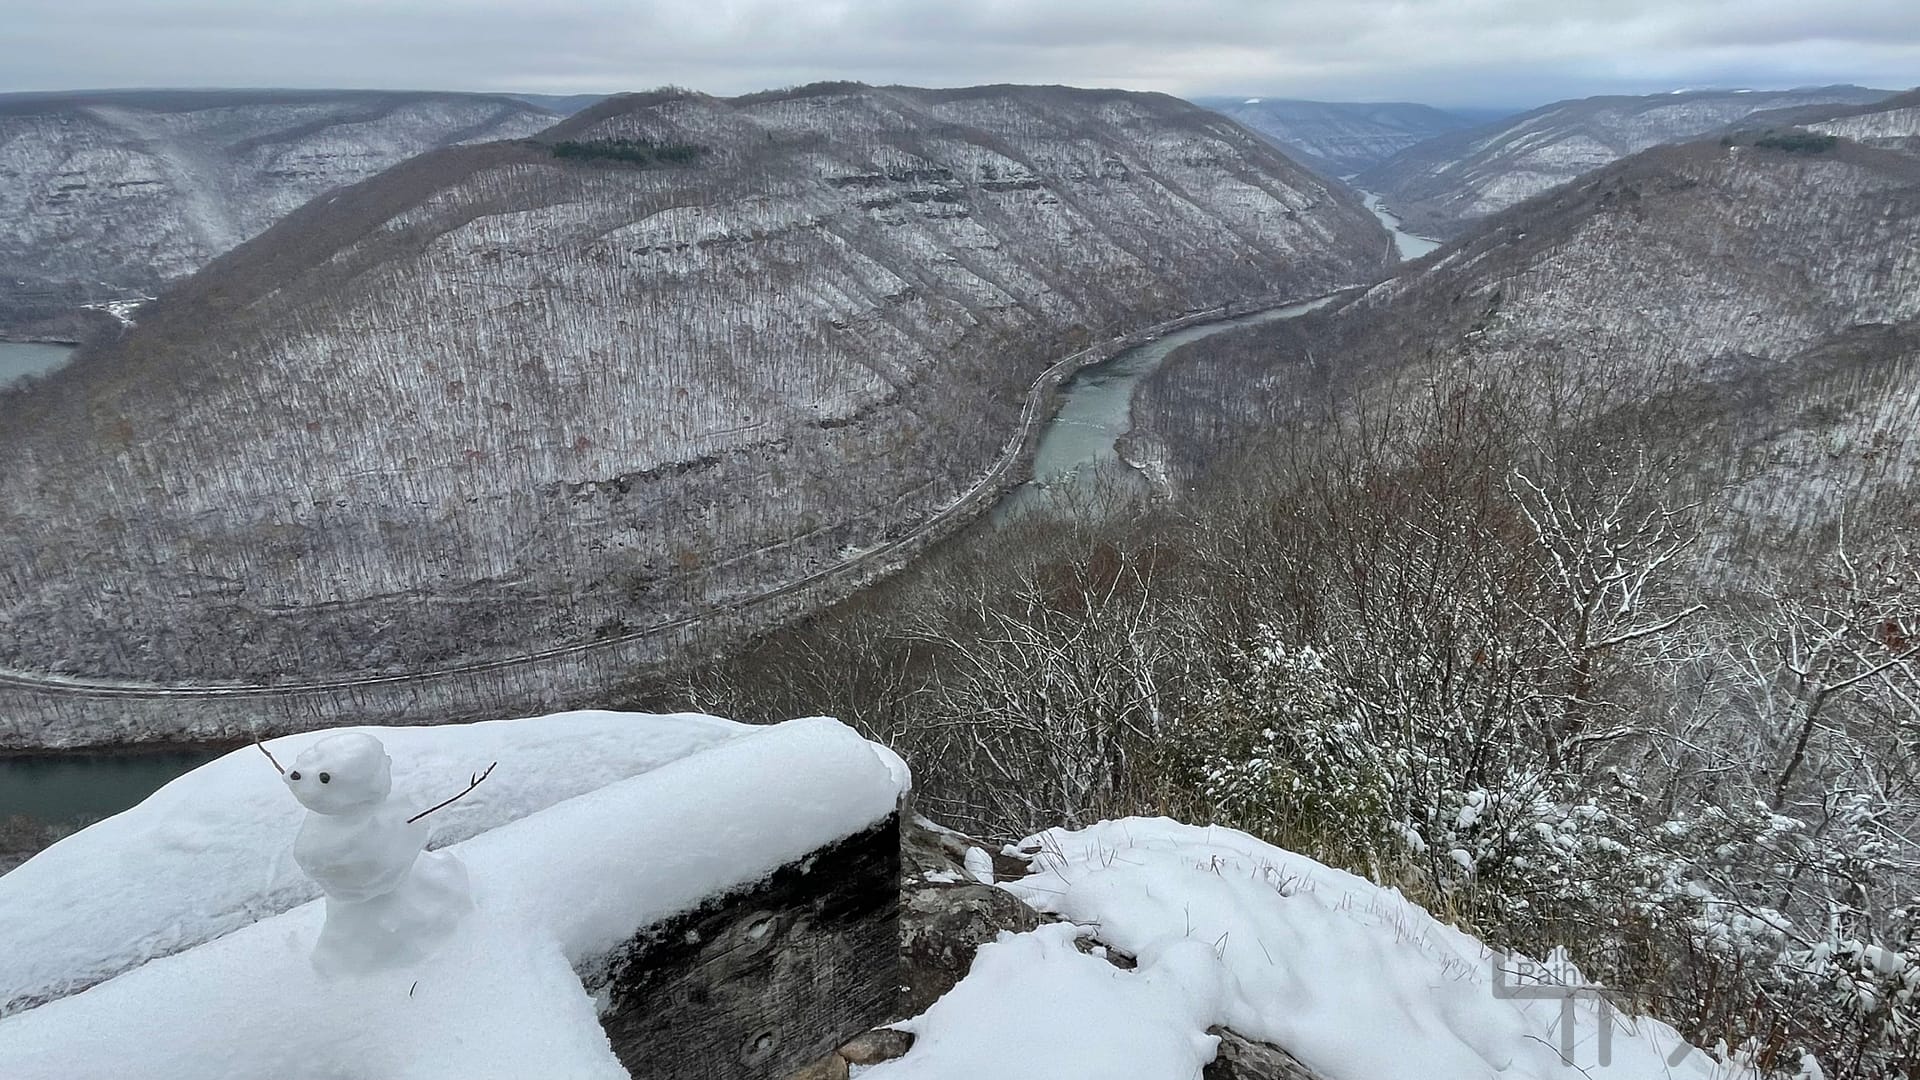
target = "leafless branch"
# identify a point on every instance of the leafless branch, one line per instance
(474, 783)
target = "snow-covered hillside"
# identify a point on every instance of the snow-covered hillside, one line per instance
(111, 195)
(495, 400)
(1443, 186)
(1748, 266)
(1894, 123)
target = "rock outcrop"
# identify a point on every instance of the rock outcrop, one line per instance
(946, 914)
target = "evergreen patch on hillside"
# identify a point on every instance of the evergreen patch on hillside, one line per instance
(645, 152)
(1792, 140)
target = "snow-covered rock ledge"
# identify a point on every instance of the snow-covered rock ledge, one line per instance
(1220, 932)
(566, 866)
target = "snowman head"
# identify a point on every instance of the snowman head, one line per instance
(342, 774)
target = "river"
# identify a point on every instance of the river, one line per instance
(1075, 456)
(1078, 453)
(64, 788)
(1076, 448)
(19, 359)
(1407, 244)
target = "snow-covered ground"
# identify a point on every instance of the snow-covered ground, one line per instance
(553, 891)
(1225, 931)
(209, 853)
(1099, 1021)
(1351, 978)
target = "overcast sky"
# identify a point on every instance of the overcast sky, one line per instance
(1446, 52)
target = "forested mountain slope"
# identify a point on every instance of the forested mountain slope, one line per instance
(1894, 123)
(1571, 577)
(111, 194)
(1771, 290)
(1336, 138)
(1444, 186)
(680, 350)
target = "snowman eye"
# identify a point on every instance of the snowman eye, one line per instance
(325, 779)
(294, 775)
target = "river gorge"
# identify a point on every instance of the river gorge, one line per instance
(1076, 452)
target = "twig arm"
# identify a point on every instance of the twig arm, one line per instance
(270, 757)
(470, 786)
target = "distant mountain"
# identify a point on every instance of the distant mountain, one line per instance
(678, 351)
(1893, 123)
(1440, 187)
(1336, 138)
(1886, 113)
(110, 194)
(1757, 290)
(563, 104)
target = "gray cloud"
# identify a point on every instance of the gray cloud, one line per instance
(1449, 52)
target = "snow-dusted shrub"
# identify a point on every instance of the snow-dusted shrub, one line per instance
(1275, 745)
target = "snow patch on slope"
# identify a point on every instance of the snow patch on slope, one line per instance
(1353, 979)
(1101, 1022)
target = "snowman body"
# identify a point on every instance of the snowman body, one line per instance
(389, 901)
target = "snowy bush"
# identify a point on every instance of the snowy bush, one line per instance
(1500, 673)
(1275, 746)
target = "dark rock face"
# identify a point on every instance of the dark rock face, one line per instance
(1240, 1058)
(945, 916)
(763, 981)
(942, 926)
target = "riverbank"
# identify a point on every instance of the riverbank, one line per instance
(1409, 246)
(40, 712)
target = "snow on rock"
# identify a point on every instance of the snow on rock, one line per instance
(1100, 1022)
(553, 892)
(209, 853)
(979, 865)
(1353, 979)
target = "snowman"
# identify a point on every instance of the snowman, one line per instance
(390, 902)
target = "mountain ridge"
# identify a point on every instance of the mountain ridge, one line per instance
(1337, 138)
(120, 192)
(682, 382)
(1442, 186)
(1715, 272)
